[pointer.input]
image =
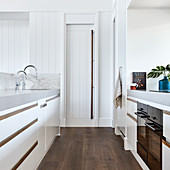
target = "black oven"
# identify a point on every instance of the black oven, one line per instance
(149, 135)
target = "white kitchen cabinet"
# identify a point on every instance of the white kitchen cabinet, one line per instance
(22, 122)
(52, 117)
(132, 132)
(30, 163)
(12, 123)
(132, 108)
(131, 124)
(10, 153)
(37, 124)
(41, 128)
(165, 156)
(29, 139)
(166, 125)
(166, 144)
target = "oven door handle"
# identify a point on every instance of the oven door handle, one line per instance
(141, 115)
(149, 126)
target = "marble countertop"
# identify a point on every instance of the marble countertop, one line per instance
(12, 98)
(155, 99)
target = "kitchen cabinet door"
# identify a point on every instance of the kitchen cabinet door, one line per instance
(132, 108)
(41, 128)
(166, 125)
(165, 156)
(21, 127)
(11, 153)
(56, 115)
(131, 132)
(30, 144)
(52, 120)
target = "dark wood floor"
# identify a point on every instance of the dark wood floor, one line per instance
(88, 149)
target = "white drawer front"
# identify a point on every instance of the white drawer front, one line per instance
(11, 153)
(132, 108)
(166, 125)
(14, 123)
(131, 132)
(165, 157)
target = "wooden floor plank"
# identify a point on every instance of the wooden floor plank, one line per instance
(88, 149)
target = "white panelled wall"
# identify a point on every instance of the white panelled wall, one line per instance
(13, 45)
(45, 41)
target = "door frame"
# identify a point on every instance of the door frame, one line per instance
(114, 63)
(79, 18)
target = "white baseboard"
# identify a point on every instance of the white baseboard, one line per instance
(63, 122)
(117, 131)
(126, 144)
(89, 123)
(105, 122)
(113, 124)
(82, 123)
(140, 161)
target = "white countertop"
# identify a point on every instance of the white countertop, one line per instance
(12, 98)
(155, 99)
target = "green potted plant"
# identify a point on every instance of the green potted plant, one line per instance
(164, 84)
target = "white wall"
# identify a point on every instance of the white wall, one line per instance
(105, 112)
(14, 45)
(120, 58)
(56, 5)
(148, 41)
(45, 41)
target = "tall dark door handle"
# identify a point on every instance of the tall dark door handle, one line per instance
(92, 74)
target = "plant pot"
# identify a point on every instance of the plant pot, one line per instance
(164, 84)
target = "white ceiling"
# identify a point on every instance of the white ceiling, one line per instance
(150, 4)
(56, 5)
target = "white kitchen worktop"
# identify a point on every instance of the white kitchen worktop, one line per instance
(155, 99)
(12, 98)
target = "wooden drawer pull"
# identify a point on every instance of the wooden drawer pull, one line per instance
(25, 156)
(17, 112)
(166, 143)
(130, 116)
(53, 98)
(134, 101)
(17, 133)
(166, 112)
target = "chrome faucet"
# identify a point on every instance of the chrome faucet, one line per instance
(23, 80)
(36, 71)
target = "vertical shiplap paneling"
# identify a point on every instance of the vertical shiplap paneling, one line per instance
(45, 41)
(46, 45)
(17, 46)
(52, 54)
(1, 47)
(5, 46)
(32, 34)
(39, 42)
(58, 42)
(13, 45)
(24, 44)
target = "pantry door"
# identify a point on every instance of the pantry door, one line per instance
(79, 49)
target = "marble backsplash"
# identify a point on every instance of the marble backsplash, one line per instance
(43, 81)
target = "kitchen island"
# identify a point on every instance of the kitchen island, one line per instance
(29, 123)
